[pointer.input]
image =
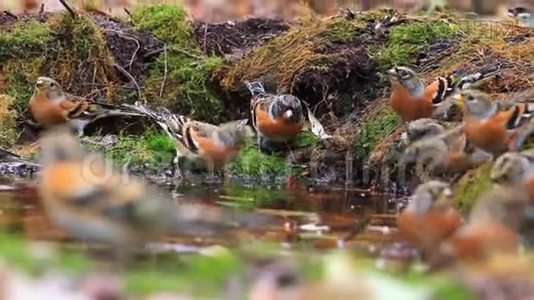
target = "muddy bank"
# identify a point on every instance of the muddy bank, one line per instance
(336, 65)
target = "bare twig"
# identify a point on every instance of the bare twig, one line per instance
(153, 53)
(7, 12)
(42, 9)
(132, 79)
(127, 11)
(205, 37)
(165, 71)
(70, 9)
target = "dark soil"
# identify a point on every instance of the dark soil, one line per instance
(133, 51)
(233, 40)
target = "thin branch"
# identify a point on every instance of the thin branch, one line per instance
(205, 37)
(7, 12)
(127, 11)
(165, 71)
(67, 6)
(153, 53)
(132, 79)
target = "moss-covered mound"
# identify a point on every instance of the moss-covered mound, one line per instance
(198, 69)
(71, 50)
(314, 60)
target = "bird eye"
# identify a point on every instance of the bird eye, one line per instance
(52, 84)
(470, 98)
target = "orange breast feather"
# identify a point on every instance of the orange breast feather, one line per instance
(490, 135)
(210, 150)
(410, 108)
(428, 229)
(276, 129)
(46, 112)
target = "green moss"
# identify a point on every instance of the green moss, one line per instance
(252, 162)
(23, 39)
(406, 41)
(306, 139)
(18, 252)
(8, 121)
(451, 290)
(373, 131)
(307, 46)
(341, 30)
(72, 51)
(471, 186)
(152, 149)
(180, 76)
(198, 274)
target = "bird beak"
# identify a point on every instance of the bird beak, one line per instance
(39, 84)
(459, 100)
(288, 114)
(393, 72)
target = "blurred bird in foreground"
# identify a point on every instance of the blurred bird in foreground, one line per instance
(524, 16)
(492, 227)
(429, 218)
(341, 280)
(50, 105)
(515, 170)
(414, 99)
(275, 118)
(496, 126)
(85, 196)
(423, 128)
(446, 154)
(213, 145)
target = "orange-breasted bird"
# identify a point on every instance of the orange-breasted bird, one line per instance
(426, 221)
(447, 153)
(493, 126)
(492, 227)
(423, 128)
(275, 118)
(214, 145)
(85, 196)
(413, 99)
(515, 170)
(89, 199)
(50, 106)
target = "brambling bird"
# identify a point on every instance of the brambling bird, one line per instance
(448, 153)
(214, 145)
(425, 222)
(413, 99)
(514, 169)
(492, 126)
(492, 226)
(423, 128)
(50, 105)
(523, 15)
(275, 118)
(85, 196)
